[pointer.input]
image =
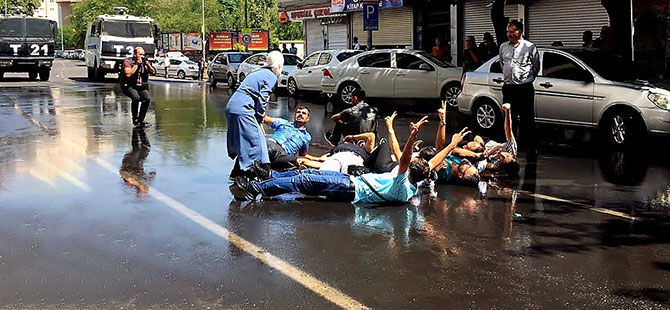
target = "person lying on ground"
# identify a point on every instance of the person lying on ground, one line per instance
(454, 169)
(372, 188)
(502, 157)
(353, 152)
(289, 139)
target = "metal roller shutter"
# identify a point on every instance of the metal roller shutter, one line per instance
(337, 36)
(564, 21)
(314, 34)
(477, 18)
(395, 27)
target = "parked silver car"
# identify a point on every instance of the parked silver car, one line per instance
(579, 88)
(224, 67)
(307, 75)
(393, 73)
(181, 68)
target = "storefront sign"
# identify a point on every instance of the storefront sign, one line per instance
(220, 41)
(337, 6)
(192, 41)
(300, 15)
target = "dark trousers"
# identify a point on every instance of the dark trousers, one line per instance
(279, 159)
(334, 185)
(380, 160)
(522, 100)
(343, 130)
(140, 102)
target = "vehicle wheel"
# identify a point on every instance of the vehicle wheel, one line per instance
(292, 87)
(44, 75)
(231, 81)
(90, 73)
(181, 74)
(346, 92)
(486, 116)
(32, 75)
(99, 74)
(450, 94)
(242, 76)
(195, 78)
(621, 129)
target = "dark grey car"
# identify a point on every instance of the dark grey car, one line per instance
(224, 67)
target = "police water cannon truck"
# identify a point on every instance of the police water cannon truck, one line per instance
(112, 38)
(27, 44)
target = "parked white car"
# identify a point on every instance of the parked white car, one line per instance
(256, 61)
(576, 88)
(307, 76)
(178, 67)
(393, 73)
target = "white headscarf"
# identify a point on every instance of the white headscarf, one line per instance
(275, 61)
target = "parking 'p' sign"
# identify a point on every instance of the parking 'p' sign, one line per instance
(371, 16)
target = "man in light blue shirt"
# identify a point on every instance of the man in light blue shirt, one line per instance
(520, 62)
(384, 188)
(289, 139)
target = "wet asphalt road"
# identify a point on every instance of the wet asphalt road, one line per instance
(96, 216)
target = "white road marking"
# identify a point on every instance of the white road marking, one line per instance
(321, 288)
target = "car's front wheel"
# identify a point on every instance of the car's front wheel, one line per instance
(486, 115)
(346, 92)
(292, 87)
(231, 81)
(621, 129)
(181, 75)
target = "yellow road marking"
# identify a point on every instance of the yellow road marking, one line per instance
(321, 288)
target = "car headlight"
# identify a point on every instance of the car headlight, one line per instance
(660, 100)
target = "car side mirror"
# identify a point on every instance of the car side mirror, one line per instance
(299, 66)
(425, 67)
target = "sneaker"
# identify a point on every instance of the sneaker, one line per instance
(243, 189)
(327, 135)
(263, 172)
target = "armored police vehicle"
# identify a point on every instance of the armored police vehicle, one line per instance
(27, 44)
(112, 38)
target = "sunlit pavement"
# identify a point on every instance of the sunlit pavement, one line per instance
(96, 215)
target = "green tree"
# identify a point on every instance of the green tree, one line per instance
(28, 7)
(71, 37)
(186, 15)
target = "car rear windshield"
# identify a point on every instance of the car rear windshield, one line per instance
(237, 58)
(346, 55)
(290, 60)
(32, 27)
(613, 67)
(126, 29)
(435, 60)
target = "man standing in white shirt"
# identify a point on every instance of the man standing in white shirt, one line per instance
(520, 62)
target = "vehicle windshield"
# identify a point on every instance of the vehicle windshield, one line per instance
(34, 27)
(435, 60)
(613, 67)
(40, 28)
(237, 58)
(126, 29)
(291, 60)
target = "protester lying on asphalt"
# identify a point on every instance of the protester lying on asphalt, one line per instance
(352, 153)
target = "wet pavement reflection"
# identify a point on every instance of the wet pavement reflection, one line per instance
(79, 229)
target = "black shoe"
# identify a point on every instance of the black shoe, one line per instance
(263, 172)
(328, 135)
(243, 190)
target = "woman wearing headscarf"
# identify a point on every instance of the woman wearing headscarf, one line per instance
(245, 112)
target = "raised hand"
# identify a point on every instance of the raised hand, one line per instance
(389, 120)
(415, 127)
(349, 139)
(506, 107)
(458, 137)
(441, 112)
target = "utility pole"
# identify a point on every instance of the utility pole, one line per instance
(245, 14)
(202, 43)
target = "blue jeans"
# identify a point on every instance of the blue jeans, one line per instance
(312, 182)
